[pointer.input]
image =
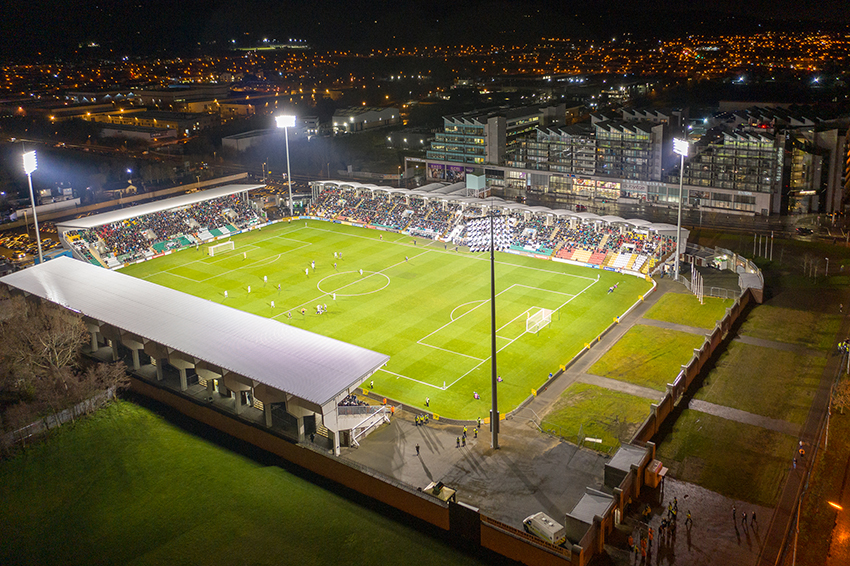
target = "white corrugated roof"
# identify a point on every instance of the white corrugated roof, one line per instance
(307, 365)
(155, 206)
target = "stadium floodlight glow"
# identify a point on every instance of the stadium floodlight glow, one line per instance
(30, 162)
(680, 147)
(287, 121)
(30, 165)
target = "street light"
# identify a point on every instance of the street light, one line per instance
(30, 165)
(680, 147)
(287, 121)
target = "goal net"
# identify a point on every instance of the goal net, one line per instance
(537, 319)
(222, 247)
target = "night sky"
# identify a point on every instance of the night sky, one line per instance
(167, 26)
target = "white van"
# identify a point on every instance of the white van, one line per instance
(542, 525)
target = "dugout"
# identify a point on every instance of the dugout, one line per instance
(254, 368)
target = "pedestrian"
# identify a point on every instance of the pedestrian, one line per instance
(307, 271)
(793, 463)
(272, 304)
(334, 296)
(278, 287)
(334, 265)
(265, 279)
(734, 514)
(464, 432)
(475, 433)
(675, 505)
(669, 510)
(225, 294)
(753, 519)
(289, 315)
(631, 541)
(650, 535)
(463, 442)
(637, 552)
(479, 422)
(427, 401)
(361, 272)
(405, 258)
(313, 264)
(417, 449)
(744, 519)
(689, 521)
(372, 384)
(244, 256)
(458, 441)
(249, 288)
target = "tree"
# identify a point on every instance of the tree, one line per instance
(40, 362)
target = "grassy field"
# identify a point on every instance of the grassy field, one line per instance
(127, 486)
(611, 416)
(736, 460)
(648, 356)
(804, 327)
(768, 382)
(684, 308)
(425, 306)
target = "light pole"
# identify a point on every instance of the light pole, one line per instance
(287, 121)
(680, 147)
(30, 165)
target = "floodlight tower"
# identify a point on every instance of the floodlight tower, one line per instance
(287, 121)
(30, 165)
(680, 147)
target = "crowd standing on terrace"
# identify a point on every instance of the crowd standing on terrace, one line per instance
(532, 232)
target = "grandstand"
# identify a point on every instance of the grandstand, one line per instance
(439, 211)
(116, 238)
(444, 212)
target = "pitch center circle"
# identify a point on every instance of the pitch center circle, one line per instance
(352, 284)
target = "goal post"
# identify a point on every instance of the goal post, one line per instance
(220, 248)
(537, 319)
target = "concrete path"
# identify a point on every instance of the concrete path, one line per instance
(773, 344)
(622, 386)
(731, 414)
(674, 326)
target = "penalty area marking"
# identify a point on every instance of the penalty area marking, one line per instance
(371, 273)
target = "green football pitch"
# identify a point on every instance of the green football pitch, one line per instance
(423, 304)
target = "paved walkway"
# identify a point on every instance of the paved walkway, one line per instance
(622, 386)
(731, 414)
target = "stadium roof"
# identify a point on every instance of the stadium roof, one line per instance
(304, 364)
(155, 206)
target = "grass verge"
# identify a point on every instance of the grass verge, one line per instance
(648, 356)
(806, 328)
(684, 308)
(597, 412)
(737, 460)
(765, 381)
